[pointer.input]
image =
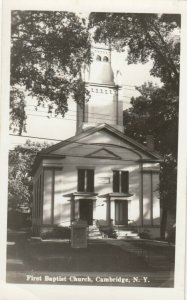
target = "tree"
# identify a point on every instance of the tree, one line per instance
(146, 36)
(155, 111)
(47, 53)
(20, 185)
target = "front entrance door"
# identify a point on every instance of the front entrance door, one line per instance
(121, 212)
(86, 210)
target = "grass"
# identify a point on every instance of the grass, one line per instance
(99, 257)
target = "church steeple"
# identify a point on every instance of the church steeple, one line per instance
(101, 69)
(104, 105)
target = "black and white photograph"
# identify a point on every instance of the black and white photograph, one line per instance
(93, 148)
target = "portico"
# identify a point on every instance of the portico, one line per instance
(117, 208)
(82, 206)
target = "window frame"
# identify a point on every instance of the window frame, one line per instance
(87, 184)
(120, 185)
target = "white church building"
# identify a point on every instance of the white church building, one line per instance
(99, 175)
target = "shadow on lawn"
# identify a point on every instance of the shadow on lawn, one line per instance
(98, 257)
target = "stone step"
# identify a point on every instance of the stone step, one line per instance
(125, 230)
(126, 233)
(128, 237)
(94, 231)
(122, 233)
(94, 234)
(95, 237)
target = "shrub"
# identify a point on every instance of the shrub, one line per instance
(106, 229)
(56, 232)
(109, 231)
(145, 234)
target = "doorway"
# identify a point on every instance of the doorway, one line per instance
(121, 212)
(86, 210)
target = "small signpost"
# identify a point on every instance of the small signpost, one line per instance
(79, 234)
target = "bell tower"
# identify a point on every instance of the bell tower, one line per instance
(104, 105)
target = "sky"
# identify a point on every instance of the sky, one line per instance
(57, 129)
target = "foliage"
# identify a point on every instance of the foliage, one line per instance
(55, 232)
(20, 184)
(155, 112)
(17, 110)
(145, 36)
(47, 53)
(109, 231)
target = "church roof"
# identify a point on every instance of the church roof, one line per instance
(108, 128)
(49, 152)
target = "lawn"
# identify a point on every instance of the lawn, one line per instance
(97, 257)
(36, 257)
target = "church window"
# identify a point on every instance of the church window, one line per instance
(105, 58)
(120, 181)
(98, 58)
(85, 180)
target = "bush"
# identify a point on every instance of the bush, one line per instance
(56, 232)
(106, 229)
(109, 231)
(145, 234)
(17, 220)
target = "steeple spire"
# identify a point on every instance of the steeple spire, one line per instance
(104, 105)
(101, 69)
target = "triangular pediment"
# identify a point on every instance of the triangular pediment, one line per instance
(101, 134)
(103, 153)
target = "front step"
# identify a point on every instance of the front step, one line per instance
(94, 233)
(123, 233)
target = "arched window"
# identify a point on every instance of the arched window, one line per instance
(98, 58)
(105, 58)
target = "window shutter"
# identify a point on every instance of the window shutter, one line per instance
(90, 181)
(81, 180)
(124, 181)
(116, 181)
